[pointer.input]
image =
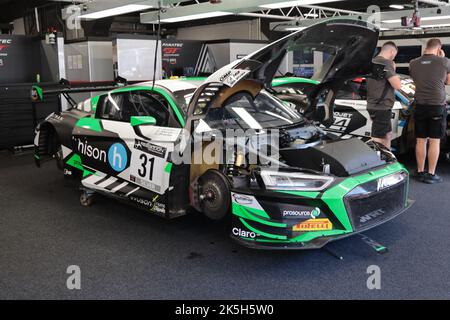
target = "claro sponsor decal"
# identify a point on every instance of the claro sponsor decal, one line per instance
(314, 225)
(244, 233)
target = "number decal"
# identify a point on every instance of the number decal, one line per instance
(143, 169)
(148, 166)
(152, 166)
(146, 163)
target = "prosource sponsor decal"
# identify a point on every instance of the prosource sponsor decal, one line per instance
(313, 225)
(304, 213)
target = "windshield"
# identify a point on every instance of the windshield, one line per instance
(241, 111)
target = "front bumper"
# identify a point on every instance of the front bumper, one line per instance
(308, 220)
(316, 243)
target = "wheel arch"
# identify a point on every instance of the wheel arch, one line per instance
(48, 135)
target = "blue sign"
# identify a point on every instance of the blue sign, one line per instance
(118, 157)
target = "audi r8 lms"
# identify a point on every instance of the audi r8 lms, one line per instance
(303, 193)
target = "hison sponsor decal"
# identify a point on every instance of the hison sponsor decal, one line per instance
(90, 151)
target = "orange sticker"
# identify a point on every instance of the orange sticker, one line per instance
(313, 225)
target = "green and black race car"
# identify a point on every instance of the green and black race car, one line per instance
(128, 142)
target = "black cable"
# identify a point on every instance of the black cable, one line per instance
(158, 38)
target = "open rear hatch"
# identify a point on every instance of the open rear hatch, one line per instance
(347, 47)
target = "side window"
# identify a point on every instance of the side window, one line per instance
(124, 105)
(353, 90)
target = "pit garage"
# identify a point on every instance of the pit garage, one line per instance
(215, 150)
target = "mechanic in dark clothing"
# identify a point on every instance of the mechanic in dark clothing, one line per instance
(430, 72)
(381, 95)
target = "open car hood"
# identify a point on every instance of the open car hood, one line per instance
(349, 46)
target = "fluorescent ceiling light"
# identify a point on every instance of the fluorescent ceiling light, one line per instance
(115, 11)
(196, 16)
(436, 25)
(397, 6)
(287, 4)
(311, 15)
(392, 21)
(295, 28)
(433, 18)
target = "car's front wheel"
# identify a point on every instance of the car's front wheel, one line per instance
(215, 195)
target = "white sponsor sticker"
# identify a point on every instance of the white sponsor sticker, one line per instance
(148, 171)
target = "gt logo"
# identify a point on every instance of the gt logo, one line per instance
(171, 50)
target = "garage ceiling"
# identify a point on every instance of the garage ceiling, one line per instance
(200, 12)
(12, 9)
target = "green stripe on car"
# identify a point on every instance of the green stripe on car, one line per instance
(90, 124)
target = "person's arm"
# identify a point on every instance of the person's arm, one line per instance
(448, 71)
(396, 82)
(392, 76)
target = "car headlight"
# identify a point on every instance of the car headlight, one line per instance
(380, 184)
(275, 180)
(391, 180)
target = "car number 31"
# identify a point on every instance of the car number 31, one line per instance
(148, 171)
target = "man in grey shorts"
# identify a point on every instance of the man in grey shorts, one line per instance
(381, 95)
(430, 72)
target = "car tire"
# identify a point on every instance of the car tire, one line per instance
(215, 195)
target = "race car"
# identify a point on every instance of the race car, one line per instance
(302, 192)
(351, 118)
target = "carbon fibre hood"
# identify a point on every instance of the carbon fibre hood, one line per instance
(350, 44)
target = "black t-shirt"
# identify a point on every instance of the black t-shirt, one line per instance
(429, 73)
(375, 88)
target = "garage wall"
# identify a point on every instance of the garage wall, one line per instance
(239, 50)
(247, 30)
(133, 58)
(19, 27)
(229, 50)
(49, 63)
(100, 61)
(20, 60)
(221, 53)
(77, 61)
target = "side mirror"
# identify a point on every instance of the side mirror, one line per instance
(142, 121)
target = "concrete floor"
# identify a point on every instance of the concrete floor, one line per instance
(126, 253)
